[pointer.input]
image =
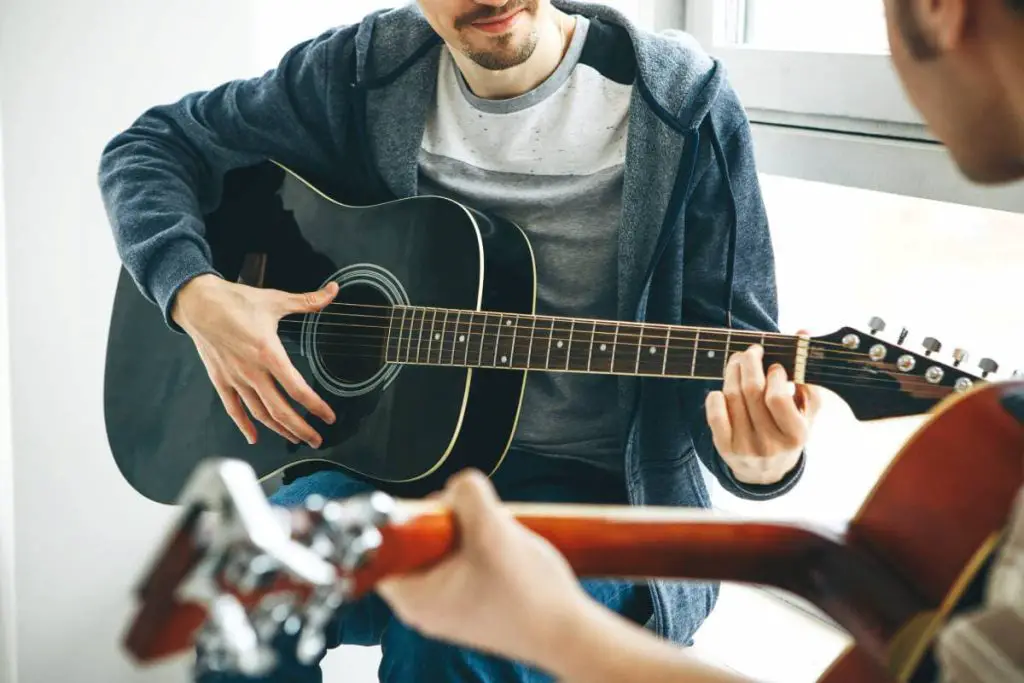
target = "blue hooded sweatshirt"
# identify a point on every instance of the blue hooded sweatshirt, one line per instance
(346, 110)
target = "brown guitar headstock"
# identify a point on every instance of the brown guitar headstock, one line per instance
(235, 571)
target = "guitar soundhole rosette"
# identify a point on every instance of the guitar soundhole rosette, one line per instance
(346, 343)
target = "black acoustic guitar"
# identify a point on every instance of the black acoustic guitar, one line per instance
(424, 353)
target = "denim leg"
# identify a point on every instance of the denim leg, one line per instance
(360, 623)
(408, 657)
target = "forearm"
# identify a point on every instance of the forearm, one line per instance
(601, 647)
(164, 174)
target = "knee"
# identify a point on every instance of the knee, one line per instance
(326, 483)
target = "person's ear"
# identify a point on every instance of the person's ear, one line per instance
(944, 22)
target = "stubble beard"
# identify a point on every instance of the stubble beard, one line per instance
(503, 55)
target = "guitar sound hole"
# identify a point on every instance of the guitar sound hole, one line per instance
(346, 342)
(352, 334)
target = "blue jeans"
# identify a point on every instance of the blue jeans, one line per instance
(408, 657)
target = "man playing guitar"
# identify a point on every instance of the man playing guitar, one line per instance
(627, 158)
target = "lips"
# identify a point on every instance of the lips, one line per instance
(498, 24)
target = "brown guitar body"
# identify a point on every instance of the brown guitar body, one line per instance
(916, 552)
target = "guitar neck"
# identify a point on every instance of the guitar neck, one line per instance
(478, 339)
(672, 543)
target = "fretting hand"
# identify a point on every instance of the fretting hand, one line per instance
(760, 423)
(234, 328)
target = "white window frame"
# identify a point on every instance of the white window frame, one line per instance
(835, 117)
(844, 86)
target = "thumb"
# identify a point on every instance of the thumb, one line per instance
(475, 504)
(310, 302)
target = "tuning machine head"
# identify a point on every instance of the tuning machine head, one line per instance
(876, 325)
(931, 345)
(988, 367)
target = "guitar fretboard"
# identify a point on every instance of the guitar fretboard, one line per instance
(462, 338)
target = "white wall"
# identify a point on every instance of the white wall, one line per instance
(8, 648)
(74, 73)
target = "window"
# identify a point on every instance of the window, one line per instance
(840, 26)
(816, 79)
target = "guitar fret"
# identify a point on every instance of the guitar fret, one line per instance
(431, 336)
(465, 337)
(590, 348)
(639, 349)
(455, 337)
(624, 350)
(504, 347)
(580, 350)
(602, 347)
(481, 331)
(398, 340)
(412, 331)
(419, 333)
(529, 349)
(497, 339)
(439, 336)
(710, 354)
(651, 353)
(512, 351)
(558, 356)
(681, 353)
(664, 352)
(568, 350)
(696, 345)
(728, 352)
(546, 332)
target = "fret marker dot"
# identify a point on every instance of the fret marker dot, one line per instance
(711, 354)
(604, 347)
(559, 344)
(653, 350)
(504, 359)
(508, 322)
(462, 337)
(437, 335)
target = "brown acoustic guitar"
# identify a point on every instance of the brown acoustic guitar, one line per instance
(235, 571)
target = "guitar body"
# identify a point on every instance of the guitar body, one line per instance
(404, 428)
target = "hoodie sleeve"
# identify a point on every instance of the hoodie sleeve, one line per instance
(729, 267)
(161, 175)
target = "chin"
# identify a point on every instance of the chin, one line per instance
(994, 169)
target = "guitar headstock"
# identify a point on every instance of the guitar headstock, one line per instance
(236, 572)
(882, 378)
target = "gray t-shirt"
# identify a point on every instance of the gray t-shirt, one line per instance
(550, 160)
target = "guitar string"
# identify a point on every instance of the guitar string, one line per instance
(562, 319)
(469, 326)
(922, 389)
(703, 346)
(818, 369)
(487, 329)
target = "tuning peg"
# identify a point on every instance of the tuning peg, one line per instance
(959, 356)
(1017, 374)
(903, 335)
(876, 325)
(988, 366)
(931, 345)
